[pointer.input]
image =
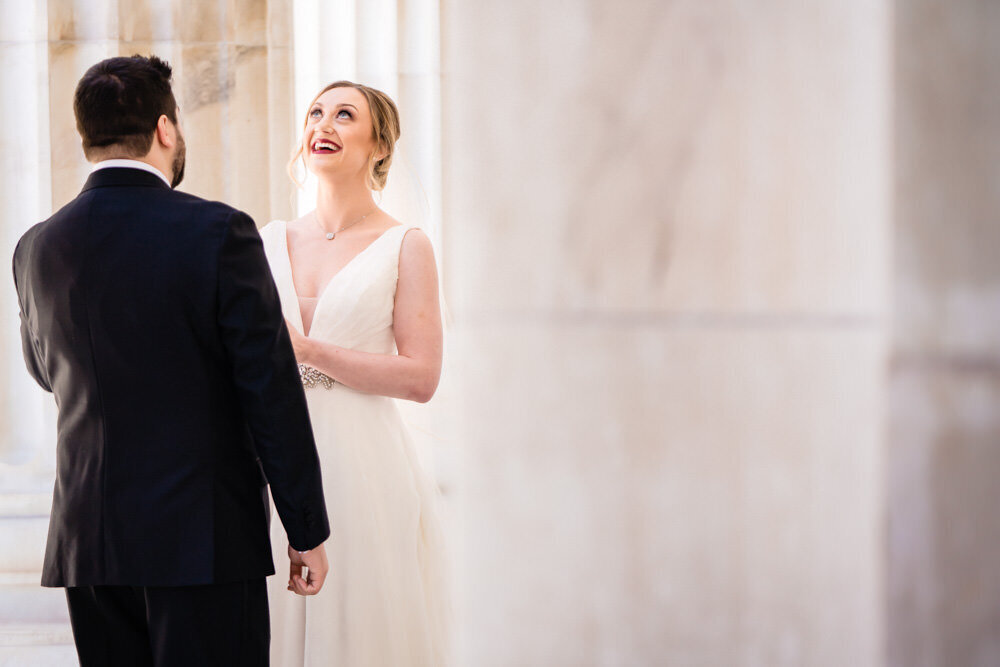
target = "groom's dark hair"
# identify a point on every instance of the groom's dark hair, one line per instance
(118, 103)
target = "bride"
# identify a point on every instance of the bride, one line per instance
(360, 293)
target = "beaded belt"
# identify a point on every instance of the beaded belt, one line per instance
(314, 378)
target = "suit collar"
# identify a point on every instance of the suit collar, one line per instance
(131, 162)
(123, 176)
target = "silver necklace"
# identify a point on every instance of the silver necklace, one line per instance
(332, 235)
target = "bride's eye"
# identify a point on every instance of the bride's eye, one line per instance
(345, 111)
(315, 111)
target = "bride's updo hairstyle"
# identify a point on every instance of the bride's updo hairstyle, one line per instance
(385, 130)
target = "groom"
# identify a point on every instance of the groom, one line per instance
(152, 317)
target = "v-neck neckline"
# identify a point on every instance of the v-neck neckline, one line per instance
(329, 283)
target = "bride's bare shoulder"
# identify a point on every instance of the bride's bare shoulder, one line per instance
(384, 222)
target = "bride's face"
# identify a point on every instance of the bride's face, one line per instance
(338, 136)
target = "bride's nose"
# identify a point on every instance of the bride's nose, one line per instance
(325, 125)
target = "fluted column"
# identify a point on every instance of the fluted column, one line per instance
(232, 80)
(26, 412)
(392, 45)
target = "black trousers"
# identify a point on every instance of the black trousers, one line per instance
(182, 626)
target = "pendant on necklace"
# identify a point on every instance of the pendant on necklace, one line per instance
(330, 236)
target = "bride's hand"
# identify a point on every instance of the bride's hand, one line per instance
(299, 343)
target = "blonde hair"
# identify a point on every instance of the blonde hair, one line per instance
(385, 131)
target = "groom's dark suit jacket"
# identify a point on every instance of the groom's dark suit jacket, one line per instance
(152, 317)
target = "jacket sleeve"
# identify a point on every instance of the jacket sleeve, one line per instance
(29, 346)
(266, 376)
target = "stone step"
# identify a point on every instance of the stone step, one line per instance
(37, 645)
(22, 543)
(24, 524)
(35, 634)
(56, 655)
(23, 600)
(25, 504)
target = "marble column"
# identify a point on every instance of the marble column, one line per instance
(27, 416)
(944, 456)
(667, 256)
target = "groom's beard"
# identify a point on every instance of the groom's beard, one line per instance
(178, 166)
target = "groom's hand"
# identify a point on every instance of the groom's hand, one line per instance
(315, 563)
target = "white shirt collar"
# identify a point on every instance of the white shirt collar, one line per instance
(131, 164)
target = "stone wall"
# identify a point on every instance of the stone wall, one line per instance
(667, 252)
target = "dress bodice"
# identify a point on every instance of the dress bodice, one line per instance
(355, 308)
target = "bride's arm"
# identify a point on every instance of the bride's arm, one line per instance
(414, 372)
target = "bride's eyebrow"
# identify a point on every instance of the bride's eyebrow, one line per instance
(342, 104)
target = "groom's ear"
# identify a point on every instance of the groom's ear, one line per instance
(166, 133)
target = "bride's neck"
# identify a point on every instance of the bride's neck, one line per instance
(338, 203)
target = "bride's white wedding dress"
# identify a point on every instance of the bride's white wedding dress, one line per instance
(384, 601)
